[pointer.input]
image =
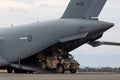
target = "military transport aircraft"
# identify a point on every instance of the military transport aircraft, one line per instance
(20, 46)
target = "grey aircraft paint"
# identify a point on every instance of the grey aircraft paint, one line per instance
(26, 40)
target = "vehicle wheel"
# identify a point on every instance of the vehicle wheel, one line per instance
(43, 65)
(60, 68)
(10, 70)
(72, 69)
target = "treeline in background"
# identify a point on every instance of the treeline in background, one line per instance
(103, 69)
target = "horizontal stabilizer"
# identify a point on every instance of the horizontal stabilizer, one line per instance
(99, 43)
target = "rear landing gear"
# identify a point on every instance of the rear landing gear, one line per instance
(20, 71)
(9, 70)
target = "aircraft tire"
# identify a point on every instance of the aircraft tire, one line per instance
(10, 70)
(30, 72)
(20, 71)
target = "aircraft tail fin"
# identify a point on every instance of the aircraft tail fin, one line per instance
(84, 8)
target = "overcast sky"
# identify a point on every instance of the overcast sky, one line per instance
(18, 12)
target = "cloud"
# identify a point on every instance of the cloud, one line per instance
(25, 1)
(17, 10)
(8, 4)
(10, 10)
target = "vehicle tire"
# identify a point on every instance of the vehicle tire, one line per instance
(10, 70)
(43, 65)
(72, 69)
(60, 68)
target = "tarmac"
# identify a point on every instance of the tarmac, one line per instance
(66, 76)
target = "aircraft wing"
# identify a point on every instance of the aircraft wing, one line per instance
(99, 43)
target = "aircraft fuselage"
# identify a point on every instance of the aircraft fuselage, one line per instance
(26, 40)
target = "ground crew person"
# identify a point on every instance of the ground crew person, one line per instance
(58, 58)
(61, 56)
